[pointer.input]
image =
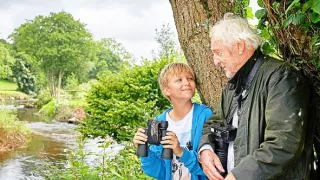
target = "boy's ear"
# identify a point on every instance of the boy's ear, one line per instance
(166, 91)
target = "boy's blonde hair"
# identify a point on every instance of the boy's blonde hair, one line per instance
(170, 70)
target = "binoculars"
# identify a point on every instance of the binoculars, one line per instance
(155, 131)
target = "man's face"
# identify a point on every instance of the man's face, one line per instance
(225, 57)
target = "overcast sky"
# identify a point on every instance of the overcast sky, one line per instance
(130, 22)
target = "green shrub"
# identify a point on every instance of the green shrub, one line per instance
(49, 109)
(124, 165)
(118, 104)
(44, 97)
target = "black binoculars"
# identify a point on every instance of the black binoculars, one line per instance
(155, 131)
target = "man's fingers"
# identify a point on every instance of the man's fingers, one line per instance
(212, 168)
(218, 163)
(212, 173)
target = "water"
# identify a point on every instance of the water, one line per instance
(49, 142)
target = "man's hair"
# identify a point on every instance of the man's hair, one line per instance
(233, 28)
(170, 70)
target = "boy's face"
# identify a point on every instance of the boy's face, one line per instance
(180, 86)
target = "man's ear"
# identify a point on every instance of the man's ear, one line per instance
(240, 46)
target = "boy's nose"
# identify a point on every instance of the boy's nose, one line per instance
(185, 81)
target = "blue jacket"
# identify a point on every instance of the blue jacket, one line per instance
(158, 168)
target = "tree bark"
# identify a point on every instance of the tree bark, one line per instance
(193, 19)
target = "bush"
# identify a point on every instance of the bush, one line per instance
(49, 109)
(125, 165)
(118, 104)
(44, 97)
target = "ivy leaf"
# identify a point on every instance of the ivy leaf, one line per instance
(275, 5)
(292, 5)
(315, 17)
(260, 3)
(267, 49)
(249, 13)
(316, 6)
(260, 13)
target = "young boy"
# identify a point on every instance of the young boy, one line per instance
(185, 121)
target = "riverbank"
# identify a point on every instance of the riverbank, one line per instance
(14, 134)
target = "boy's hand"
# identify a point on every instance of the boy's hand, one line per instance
(171, 141)
(139, 137)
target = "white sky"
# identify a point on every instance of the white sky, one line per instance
(130, 22)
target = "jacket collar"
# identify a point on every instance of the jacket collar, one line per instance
(237, 82)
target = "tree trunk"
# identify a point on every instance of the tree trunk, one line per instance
(59, 83)
(193, 19)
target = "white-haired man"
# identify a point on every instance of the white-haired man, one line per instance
(267, 100)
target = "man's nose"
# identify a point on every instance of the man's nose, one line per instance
(216, 61)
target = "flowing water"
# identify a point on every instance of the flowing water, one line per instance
(49, 142)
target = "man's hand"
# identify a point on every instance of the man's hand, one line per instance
(230, 176)
(211, 165)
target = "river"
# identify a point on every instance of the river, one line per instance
(49, 142)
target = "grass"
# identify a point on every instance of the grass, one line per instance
(7, 86)
(8, 90)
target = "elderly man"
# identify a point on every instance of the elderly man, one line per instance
(267, 100)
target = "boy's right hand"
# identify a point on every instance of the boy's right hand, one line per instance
(139, 137)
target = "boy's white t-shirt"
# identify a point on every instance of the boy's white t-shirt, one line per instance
(182, 129)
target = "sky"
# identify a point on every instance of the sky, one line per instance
(130, 22)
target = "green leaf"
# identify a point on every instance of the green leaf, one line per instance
(287, 21)
(260, 3)
(314, 39)
(275, 5)
(260, 13)
(316, 6)
(249, 13)
(315, 17)
(307, 5)
(292, 5)
(318, 64)
(113, 171)
(298, 19)
(267, 49)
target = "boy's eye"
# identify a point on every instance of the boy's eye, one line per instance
(190, 78)
(179, 80)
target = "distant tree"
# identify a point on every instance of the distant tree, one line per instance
(59, 44)
(6, 61)
(168, 47)
(111, 58)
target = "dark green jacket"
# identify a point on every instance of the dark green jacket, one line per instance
(272, 141)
